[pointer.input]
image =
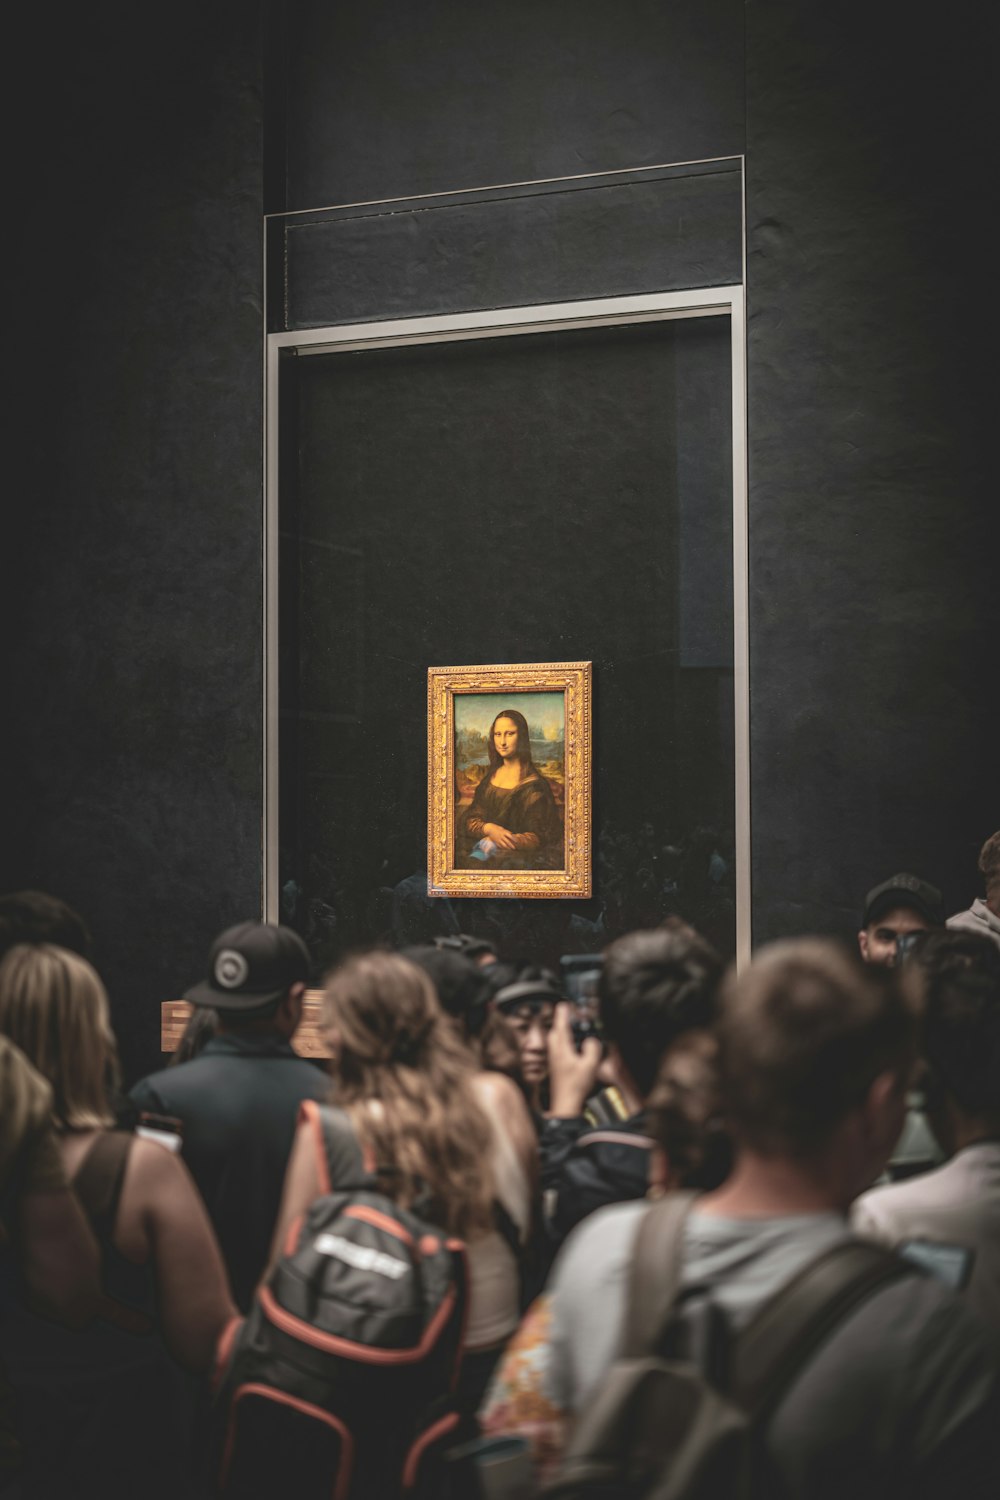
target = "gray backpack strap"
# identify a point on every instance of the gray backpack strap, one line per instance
(654, 1279)
(340, 1162)
(791, 1326)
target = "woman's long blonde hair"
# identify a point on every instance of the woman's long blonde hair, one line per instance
(55, 1008)
(406, 1079)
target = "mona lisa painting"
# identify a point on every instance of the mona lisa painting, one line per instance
(509, 780)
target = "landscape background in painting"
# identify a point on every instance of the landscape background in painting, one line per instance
(475, 712)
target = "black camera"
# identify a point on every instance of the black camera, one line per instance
(906, 942)
(580, 975)
(583, 1027)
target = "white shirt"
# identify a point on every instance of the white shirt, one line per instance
(955, 1205)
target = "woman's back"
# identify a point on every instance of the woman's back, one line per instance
(42, 1353)
(422, 1115)
(97, 1401)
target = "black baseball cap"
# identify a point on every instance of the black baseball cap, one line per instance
(250, 966)
(904, 890)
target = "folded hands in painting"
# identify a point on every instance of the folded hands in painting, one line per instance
(504, 839)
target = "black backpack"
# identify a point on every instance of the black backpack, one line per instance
(680, 1414)
(341, 1379)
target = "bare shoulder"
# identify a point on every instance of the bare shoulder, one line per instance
(154, 1172)
(302, 1178)
(503, 1100)
(156, 1184)
(150, 1158)
(501, 1092)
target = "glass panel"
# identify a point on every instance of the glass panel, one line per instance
(656, 231)
(547, 497)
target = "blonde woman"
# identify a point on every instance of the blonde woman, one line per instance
(408, 1084)
(98, 1401)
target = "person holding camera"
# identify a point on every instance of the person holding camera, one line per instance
(654, 987)
(526, 998)
(901, 905)
(896, 916)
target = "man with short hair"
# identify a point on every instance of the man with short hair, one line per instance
(902, 1396)
(237, 1102)
(900, 905)
(949, 1219)
(983, 915)
(895, 913)
(654, 986)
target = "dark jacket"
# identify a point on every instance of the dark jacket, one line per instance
(583, 1168)
(238, 1102)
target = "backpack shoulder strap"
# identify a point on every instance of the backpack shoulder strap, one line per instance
(98, 1180)
(792, 1324)
(655, 1273)
(340, 1162)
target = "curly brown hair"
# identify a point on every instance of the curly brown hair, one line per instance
(685, 1113)
(405, 1078)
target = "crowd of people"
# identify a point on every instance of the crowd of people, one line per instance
(684, 1232)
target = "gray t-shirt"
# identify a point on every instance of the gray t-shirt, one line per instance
(953, 1216)
(904, 1396)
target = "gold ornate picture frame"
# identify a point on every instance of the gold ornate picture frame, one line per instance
(509, 780)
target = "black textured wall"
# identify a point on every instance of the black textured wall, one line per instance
(872, 399)
(131, 547)
(399, 98)
(133, 573)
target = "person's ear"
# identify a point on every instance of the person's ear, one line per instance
(863, 943)
(292, 1004)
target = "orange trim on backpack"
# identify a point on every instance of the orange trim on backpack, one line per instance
(381, 1221)
(293, 1235)
(309, 1111)
(416, 1453)
(329, 1342)
(224, 1348)
(342, 1485)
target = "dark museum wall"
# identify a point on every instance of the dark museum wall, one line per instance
(872, 396)
(140, 159)
(132, 572)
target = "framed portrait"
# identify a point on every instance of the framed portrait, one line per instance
(508, 793)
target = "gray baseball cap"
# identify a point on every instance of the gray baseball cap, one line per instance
(904, 890)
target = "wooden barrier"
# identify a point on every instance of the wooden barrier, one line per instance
(308, 1040)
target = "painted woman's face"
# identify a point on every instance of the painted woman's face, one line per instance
(505, 737)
